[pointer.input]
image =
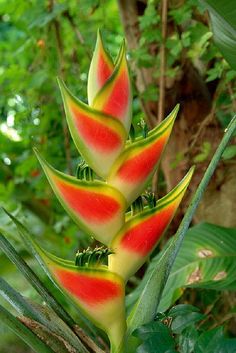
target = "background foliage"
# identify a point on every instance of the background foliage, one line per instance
(40, 40)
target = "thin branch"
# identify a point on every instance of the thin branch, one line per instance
(208, 119)
(161, 102)
(61, 59)
(78, 33)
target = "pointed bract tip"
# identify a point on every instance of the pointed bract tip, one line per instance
(187, 178)
(99, 38)
(63, 88)
(67, 94)
(59, 81)
(121, 54)
(45, 165)
(176, 108)
(173, 114)
(36, 153)
(191, 171)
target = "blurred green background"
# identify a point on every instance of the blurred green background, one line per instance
(43, 39)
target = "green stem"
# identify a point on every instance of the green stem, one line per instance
(116, 336)
(23, 332)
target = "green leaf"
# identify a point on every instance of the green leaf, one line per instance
(223, 18)
(229, 153)
(205, 151)
(46, 18)
(206, 255)
(188, 339)
(184, 316)
(213, 341)
(156, 337)
(227, 346)
(146, 307)
(207, 342)
(205, 260)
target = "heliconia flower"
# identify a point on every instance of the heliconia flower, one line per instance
(115, 97)
(99, 137)
(97, 292)
(99, 130)
(96, 207)
(141, 233)
(136, 165)
(100, 70)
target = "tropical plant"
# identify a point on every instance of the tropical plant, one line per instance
(95, 281)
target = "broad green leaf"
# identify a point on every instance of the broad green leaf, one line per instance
(205, 260)
(230, 152)
(223, 19)
(187, 339)
(214, 341)
(227, 346)
(184, 315)
(209, 340)
(156, 337)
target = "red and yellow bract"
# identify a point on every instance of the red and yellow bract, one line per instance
(141, 233)
(99, 130)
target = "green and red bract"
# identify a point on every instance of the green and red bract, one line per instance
(101, 68)
(99, 293)
(99, 131)
(96, 207)
(99, 137)
(115, 97)
(133, 169)
(141, 233)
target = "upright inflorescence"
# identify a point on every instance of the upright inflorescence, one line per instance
(100, 130)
